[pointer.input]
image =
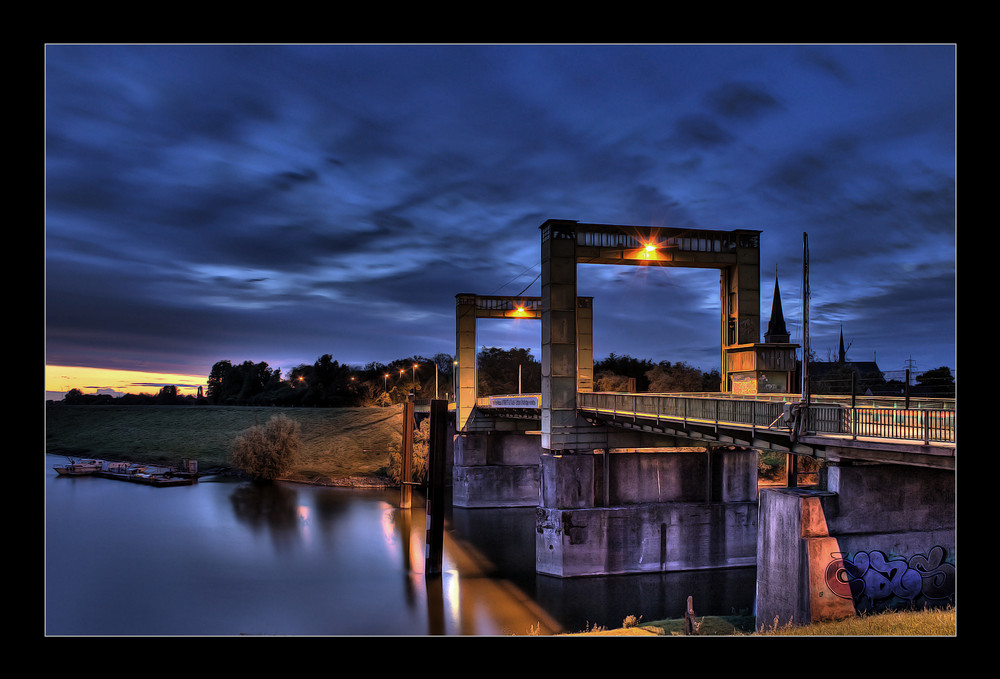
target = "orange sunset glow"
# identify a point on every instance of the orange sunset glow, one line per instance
(60, 379)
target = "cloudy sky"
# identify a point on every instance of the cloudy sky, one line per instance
(279, 202)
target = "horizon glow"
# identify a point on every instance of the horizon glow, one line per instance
(60, 379)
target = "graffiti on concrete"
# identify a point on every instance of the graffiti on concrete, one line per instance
(875, 581)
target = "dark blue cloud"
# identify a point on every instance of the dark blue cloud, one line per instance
(281, 202)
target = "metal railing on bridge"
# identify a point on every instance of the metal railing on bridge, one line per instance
(825, 416)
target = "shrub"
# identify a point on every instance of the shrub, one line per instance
(421, 444)
(265, 452)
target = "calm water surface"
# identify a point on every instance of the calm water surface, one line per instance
(226, 557)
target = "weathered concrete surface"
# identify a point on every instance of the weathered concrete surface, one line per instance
(495, 486)
(496, 469)
(880, 536)
(643, 511)
(643, 476)
(669, 536)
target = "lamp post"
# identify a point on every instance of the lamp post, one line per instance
(413, 381)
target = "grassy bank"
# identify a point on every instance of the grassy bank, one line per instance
(337, 443)
(937, 622)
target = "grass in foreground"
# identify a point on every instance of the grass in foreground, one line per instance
(933, 622)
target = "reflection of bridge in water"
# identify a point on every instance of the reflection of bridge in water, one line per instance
(632, 483)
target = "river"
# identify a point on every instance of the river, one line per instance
(225, 557)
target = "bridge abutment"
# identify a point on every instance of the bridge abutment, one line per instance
(878, 537)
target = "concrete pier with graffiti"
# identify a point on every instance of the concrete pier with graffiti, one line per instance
(876, 537)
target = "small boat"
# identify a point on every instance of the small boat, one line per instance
(79, 467)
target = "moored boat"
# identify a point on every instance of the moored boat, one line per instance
(79, 467)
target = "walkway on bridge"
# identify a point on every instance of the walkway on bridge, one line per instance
(887, 428)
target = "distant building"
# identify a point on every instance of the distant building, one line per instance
(835, 377)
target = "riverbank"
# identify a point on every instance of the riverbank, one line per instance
(346, 447)
(923, 623)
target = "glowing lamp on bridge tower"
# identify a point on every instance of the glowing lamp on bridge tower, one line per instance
(650, 251)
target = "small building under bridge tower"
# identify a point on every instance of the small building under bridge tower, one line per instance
(766, 367)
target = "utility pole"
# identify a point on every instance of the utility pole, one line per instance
(805, 317)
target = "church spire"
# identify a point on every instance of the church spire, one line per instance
(776, 331)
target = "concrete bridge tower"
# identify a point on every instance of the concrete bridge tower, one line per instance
(643, 508)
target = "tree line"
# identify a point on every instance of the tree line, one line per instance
(329, 383)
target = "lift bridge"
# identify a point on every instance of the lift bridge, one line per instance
(759, 408)
(640, 482)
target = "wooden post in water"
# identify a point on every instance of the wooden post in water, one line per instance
(435, 486)
(690, 624)
(406, 452)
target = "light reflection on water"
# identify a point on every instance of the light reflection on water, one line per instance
(224, 557)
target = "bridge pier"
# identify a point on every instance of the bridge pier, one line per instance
(496, 469)
(646, 511)
(878, 536)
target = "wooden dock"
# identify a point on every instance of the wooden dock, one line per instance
(135, 473)
(158, 480)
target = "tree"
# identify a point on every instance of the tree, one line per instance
(217, 379)
(498, 371)
(418, 465)
(265, 452)
(614, 371)
(938, 381)
(242, 384)
(680, 377)
(168, 395)
(610, 381)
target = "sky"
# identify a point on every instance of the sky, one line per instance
(280, 202)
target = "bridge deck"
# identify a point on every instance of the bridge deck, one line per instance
(831, 420)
